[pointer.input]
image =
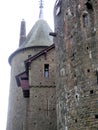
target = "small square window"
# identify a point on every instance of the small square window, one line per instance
(46, 70)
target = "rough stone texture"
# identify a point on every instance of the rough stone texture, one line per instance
(37, 70)
(41, 107)
(77, 64)
(41, 110)
(18, 104)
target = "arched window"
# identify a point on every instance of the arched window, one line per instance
(85, 20)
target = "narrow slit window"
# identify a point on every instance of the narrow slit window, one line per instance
(46, 70)
(85, 20)
(97, 75)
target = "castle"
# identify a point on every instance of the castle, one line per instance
(54, 79)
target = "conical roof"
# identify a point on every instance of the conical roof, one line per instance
(39, 35)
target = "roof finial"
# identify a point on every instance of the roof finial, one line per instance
(41, 9)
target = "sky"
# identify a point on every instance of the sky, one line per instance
(11, 14)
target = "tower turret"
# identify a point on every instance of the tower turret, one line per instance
(22, 32)
(32, 86)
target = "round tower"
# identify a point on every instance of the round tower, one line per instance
(76, 26)
(37, 40)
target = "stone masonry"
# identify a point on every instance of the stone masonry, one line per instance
(32, 96)
(76, 41)
(17, 103)
(41, 106)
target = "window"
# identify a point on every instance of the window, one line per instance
(96, 116)
(97, 75)
(85, 20)
(89, 5)
(91, 91)
(26, 93)
(46, 70)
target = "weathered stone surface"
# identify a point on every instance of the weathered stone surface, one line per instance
(39, 110)
(17, 103)
(76, 44)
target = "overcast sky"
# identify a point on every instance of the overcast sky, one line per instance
(11, 14)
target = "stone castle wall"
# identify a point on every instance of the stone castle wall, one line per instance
(76, 41)
(17, 103)
(37, 70)
(41, 110)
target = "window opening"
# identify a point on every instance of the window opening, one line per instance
(26, 93)
(88, 70)
(50, 123)
(76, 96)
(87, 48)
(76, 120)
(97, 75)
(46, 70)
(91, 91)
(89, 5)
(85, 20)
(96, 116)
